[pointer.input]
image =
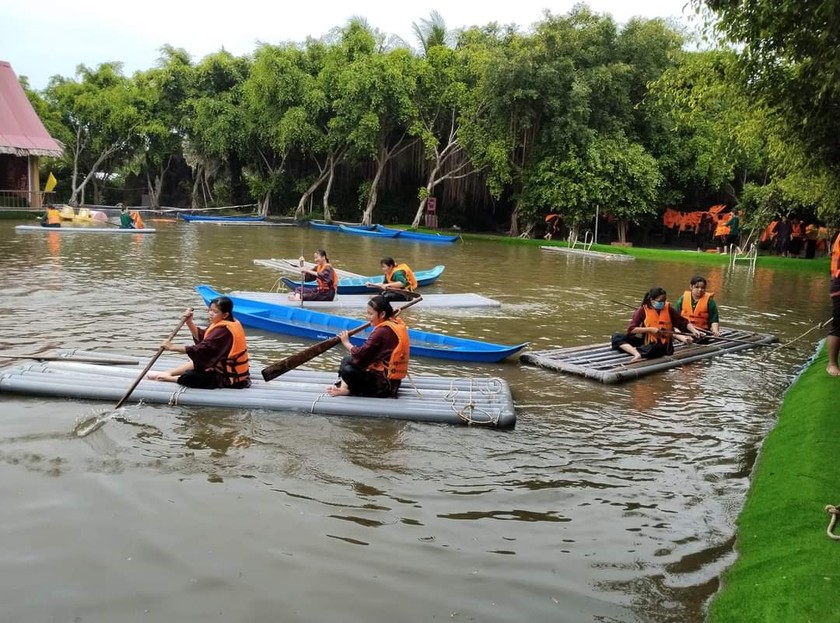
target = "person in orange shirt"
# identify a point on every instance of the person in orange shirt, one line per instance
(833, 340)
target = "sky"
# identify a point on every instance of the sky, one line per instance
(48, 37)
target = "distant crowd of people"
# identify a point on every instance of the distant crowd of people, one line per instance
(790, 236)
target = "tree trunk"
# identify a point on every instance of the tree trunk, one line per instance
(330, 179)
(421, 209)
(300, 211)
(514, 221)
(622, 225)
(367, 215)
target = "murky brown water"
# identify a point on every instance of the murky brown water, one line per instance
(604, 504)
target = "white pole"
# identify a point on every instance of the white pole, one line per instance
(595, 239)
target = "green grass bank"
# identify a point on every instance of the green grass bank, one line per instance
(818, 265)
(787, 568)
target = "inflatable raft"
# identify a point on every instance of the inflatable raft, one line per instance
(64, 229)
(358, 302)
(452, 400)
(603, 364)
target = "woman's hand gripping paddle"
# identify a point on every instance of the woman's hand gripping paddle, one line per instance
(290, 363)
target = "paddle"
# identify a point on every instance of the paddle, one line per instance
(290, 363)
(93, 423)
(708, 335)
(104, 362)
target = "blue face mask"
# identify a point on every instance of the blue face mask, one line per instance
(658, 304)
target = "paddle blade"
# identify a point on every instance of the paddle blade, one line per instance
(290, 363)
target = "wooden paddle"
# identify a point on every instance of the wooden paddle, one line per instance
(93, 423)
(290, 363)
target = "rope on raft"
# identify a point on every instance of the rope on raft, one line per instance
(467, 413)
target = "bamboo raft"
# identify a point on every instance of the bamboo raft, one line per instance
(81, 375)
(601, 363)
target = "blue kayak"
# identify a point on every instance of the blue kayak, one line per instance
(334, 226)
(418, 236)
(302, 322)
(372, 233)
(197, 218)
(356, 285)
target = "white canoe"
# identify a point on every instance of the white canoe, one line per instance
(360, 301)
(292, 267)
(453, 400)
(83, 230)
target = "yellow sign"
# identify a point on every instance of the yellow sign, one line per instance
(51, 182)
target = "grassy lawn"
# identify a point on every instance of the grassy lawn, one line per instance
(787, 568)
(818, 265)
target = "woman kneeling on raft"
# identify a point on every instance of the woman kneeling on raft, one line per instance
(376, 368)
(219, 357)
(651, 329)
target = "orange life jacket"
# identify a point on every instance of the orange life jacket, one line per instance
(323, 284)
(661, 319)
(412, 280)
(138, 222)
(699, 316)
(234, 366)
(397, 367)
(722, 229)
(53, 216)
(835, 258)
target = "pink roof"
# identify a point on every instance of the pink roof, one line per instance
(21, 130)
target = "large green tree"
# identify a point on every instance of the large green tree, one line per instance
(788, 50)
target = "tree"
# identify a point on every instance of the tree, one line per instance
(99, 120)
(375, 106)
(788, 55)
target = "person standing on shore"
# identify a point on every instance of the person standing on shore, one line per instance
(833, 340)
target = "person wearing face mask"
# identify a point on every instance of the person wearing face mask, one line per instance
(651, 330)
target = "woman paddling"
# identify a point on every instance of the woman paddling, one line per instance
(219, 357)
(324, 274)
(651, 329)
(377, 367)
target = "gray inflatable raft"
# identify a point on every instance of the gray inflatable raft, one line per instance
(483, 401)
(360, 301)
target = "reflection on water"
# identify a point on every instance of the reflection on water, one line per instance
(606, 503)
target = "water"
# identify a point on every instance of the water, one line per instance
(603, 504)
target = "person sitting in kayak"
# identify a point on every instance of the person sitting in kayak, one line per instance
(651, 329)
(219, 356)
(126, 221)
(376, 368)
(325, 278)
(52, 217)
(397, 277)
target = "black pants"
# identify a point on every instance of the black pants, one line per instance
(647, 351)
(366, 383)
(395, 295)
(311, 294)
(835, 316)
(198, 379)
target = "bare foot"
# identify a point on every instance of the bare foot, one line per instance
(833, 370)
(154, 376)
(635, 359)
(332, 390)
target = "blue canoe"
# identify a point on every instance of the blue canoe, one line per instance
(373, 233)
(319, 326)
(356, 285)
(334, 226)
(418, 236)
(221, 219)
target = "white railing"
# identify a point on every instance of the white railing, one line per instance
(585, 244)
